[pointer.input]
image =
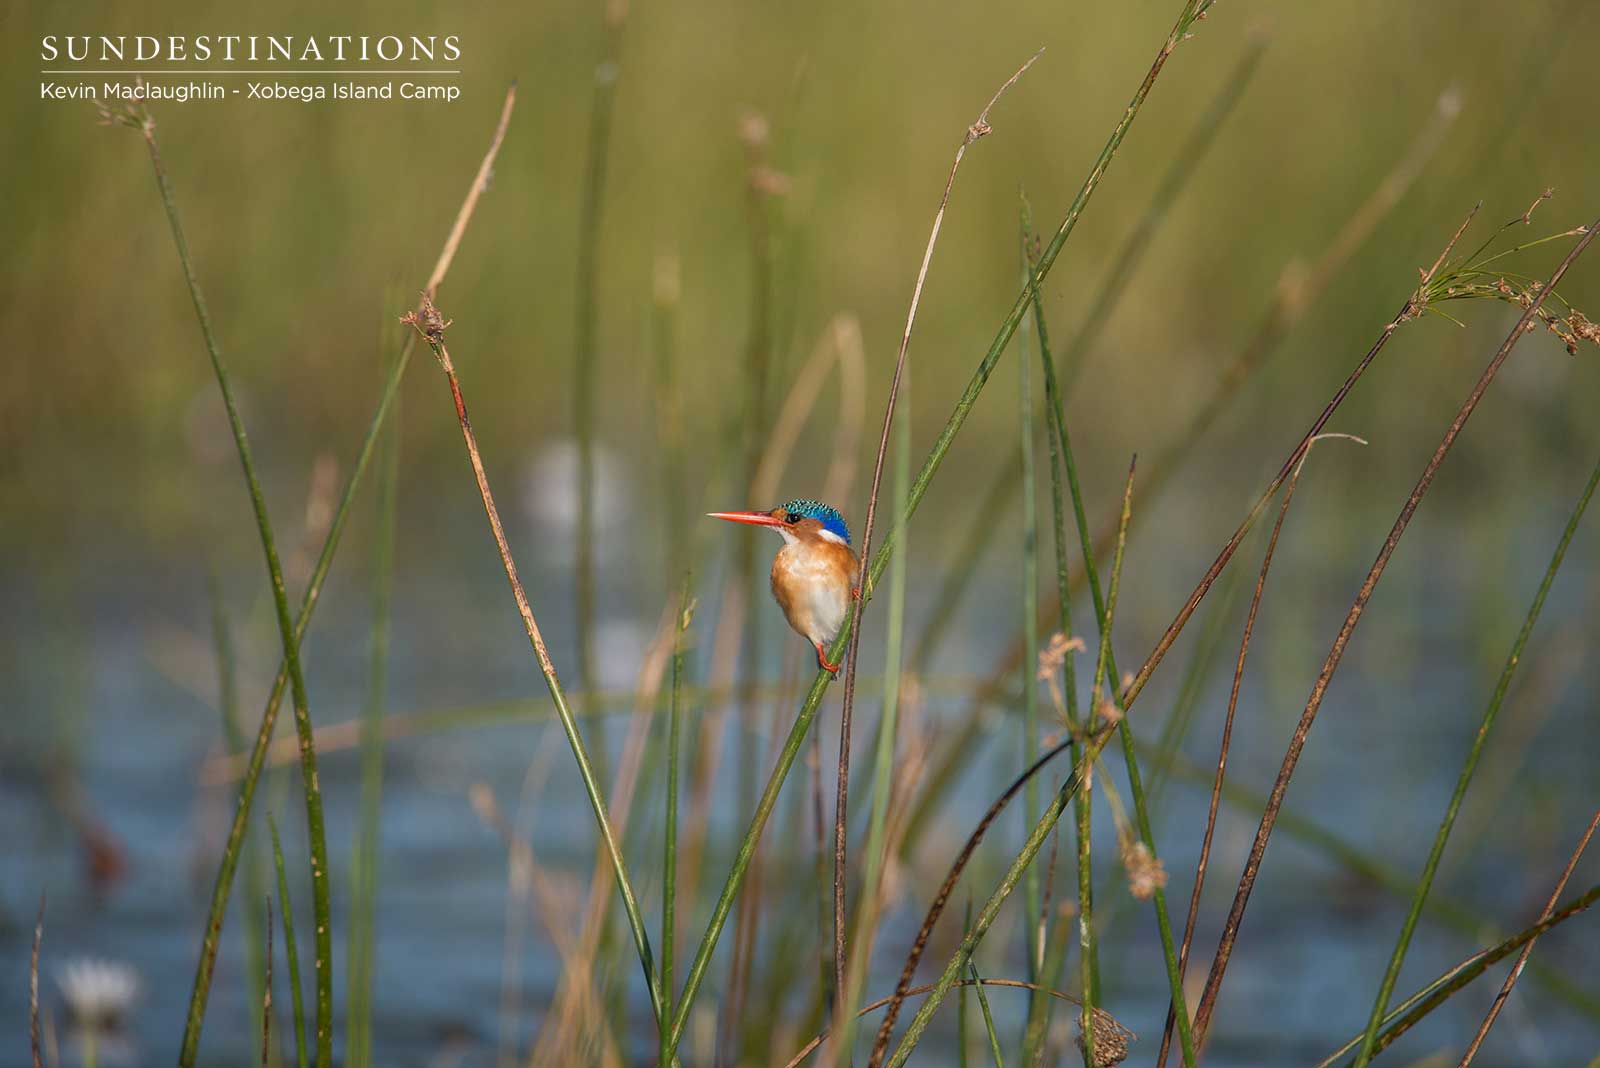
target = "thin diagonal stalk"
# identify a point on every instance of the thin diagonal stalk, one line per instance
(364, 875)
(1296, 290)
(432, 326)
(223, 885)
(266, 994)
(1222, 755)
(669, 856)
(1527, 950)
(991, 908)
(1336, 653)
(919, 487)
(1405, 1016)
(842, 793)
(316, 833)
(988, 1017)
(33, 987)
(957, 572)
(291, 951)
(1491, 711)
(602, 105)
(1450, 914)
(1079, 777)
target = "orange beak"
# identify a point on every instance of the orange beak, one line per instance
(756, 519)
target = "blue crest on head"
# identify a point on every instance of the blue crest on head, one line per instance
(830, 519)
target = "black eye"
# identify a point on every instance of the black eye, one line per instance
(793, 518)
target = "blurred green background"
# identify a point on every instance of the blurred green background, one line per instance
(313, 225)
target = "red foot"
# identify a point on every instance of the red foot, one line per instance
(855, 593)
(822, 659)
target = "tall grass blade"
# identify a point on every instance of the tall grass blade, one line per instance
(1485, 724)
(1414, 1008)
(223, 885)
(316, 833)
(290, 948)
(669, 855)
(1088, 955)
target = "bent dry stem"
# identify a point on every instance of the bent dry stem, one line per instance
(1336, 653)
(431, 326)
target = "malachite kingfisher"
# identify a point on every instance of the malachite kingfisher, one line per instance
(813, 575)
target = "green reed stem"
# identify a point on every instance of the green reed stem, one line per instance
(988, 1017)
(1402, 943)
(958, 572)
(228, 706)
(1130, 757)
(291, 953)
(362, 945)
(1030, 626)
(1089, 962)
(669, 856)
(291, 651)
(1408, 1012)
(919, 487)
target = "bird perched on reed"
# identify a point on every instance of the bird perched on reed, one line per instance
(813, 575)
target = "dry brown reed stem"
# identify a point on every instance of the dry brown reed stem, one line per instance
(576, 999)
(1227, 737)
(839, 344)
(1298, 288)
(1410, 310)
(1101, 1016)
(1527, 950)
(1297, 743)
(480, 182)
(432, 326)
(33, 987)
(842, 792)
